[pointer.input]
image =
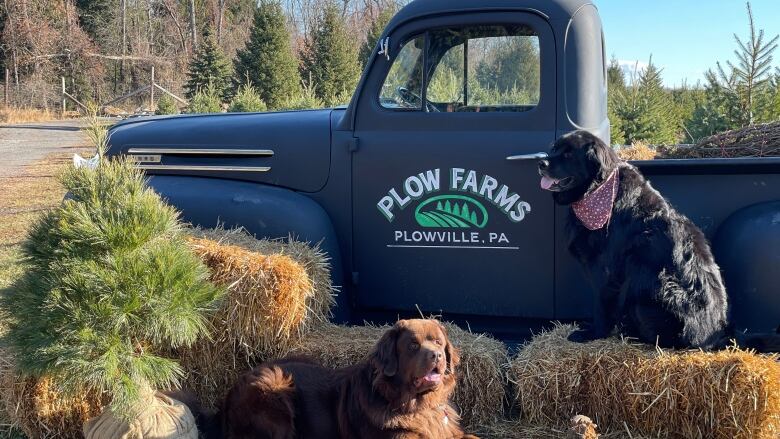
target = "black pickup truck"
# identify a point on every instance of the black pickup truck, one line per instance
(424, 189)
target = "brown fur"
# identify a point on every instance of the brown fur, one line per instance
(385, 397)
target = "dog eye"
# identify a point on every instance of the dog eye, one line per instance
(414, 346)
(567, 155)
(437, 341)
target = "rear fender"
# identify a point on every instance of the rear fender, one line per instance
(265, 211)
(747, 248)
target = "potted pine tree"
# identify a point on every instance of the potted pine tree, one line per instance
(110, 286)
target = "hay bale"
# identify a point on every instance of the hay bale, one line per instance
(34, 406)
(638, 150)
(276, 291)
(314, 261)
(480, 393)
(644, 391)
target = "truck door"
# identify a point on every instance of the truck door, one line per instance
(442, 219)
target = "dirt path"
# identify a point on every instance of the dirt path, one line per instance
(23, 144)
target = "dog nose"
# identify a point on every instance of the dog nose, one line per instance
(543, 165)
(436, 355)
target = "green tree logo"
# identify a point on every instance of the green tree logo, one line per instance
(451, 211)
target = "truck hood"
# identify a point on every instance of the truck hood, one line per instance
(289, 149)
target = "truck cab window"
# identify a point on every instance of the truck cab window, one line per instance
(483, 68)
(402, 89)
(467, 69)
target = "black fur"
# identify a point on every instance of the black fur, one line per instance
(651, 268)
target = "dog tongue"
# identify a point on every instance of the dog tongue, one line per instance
(547, 182)
(432, 377)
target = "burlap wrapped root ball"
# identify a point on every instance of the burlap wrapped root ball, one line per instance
(275, 291)
(643, 391)
(480, 393)
(39, 410)
(161, 418)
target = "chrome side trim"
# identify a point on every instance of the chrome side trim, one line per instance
(202, 151)
(205, 168)
(534, 156)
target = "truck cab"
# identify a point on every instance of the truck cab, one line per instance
(424, 190)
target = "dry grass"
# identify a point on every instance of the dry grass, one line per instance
(24, 196)
(276, 291)
(481, 377)
(26, 115)
(637, 151)
(638, 390)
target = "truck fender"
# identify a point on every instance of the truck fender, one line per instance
(747, 248)
(265, 211)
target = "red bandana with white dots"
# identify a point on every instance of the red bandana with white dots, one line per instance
(595, 209)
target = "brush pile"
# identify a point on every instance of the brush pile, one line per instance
(754, 141)
(276, 291)
(480, 393)
(645, 391)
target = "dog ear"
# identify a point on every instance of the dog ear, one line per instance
(601, 157)
(453, 356)
(385, 355)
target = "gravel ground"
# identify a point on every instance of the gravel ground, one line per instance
(22, 144)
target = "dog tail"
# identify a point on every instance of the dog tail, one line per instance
(263, 401)
(274, 390)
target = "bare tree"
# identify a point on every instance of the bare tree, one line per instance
(193, 26)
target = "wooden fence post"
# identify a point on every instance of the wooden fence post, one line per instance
(64, 98)
(151, 92)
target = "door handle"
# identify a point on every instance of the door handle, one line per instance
(534, 156)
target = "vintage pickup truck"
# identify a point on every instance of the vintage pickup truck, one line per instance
(424, 190)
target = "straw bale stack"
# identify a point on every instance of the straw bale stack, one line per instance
(276, 291)
(639, 390)
(39, 410)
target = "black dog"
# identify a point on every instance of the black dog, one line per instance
(652, 269)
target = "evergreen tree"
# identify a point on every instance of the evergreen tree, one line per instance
(616, 89)
(112, 285)
(616, 78)
(95, 16)
(330, 58)
(749, 78)
(247, 99)
(166, 105)
(719, 111)
(646, 110)
(268, 61)
(206, 100)
(374, 32)
(208, 67)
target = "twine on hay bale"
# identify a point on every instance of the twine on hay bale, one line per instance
(761, 140)
(480, 393)
(644, 391)
(276, 291)
(36, 407)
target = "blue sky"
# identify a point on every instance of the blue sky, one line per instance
(685, 37)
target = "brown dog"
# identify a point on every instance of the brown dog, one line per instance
(402, 391)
